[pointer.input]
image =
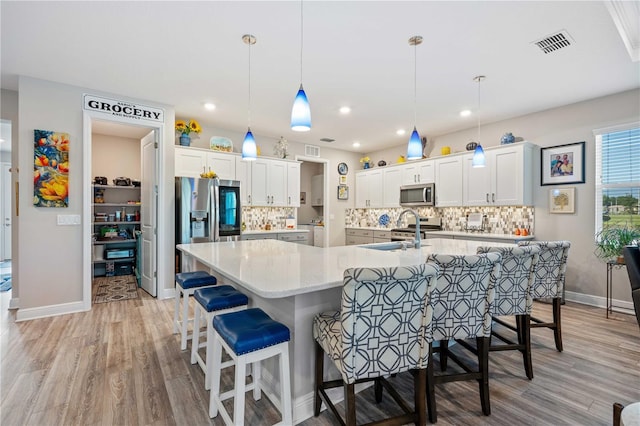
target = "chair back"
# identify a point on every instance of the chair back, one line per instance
(386, 320)
(463, 298)
(551, 268)
(513, 289)
(632, 260)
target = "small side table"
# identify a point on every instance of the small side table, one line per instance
(611, 265)
(630, 415)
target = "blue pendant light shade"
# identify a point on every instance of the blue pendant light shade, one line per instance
(301, 112)
(478, 157)
(414, 149)
(249, 149)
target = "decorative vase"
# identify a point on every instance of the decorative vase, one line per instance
(366, 165)
(507, 138)
(185, 139)
(471, 146)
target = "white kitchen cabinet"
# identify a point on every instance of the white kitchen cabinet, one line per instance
(505, 180)
(358, 236)
(294, 237)
(318, 236)
(448, 179)
(243, 174)
(418, 172)
(224, 165)
(293, 184)
(189, 162)
(269, 182)
(392, 178)
(317, 190)
(369, 189)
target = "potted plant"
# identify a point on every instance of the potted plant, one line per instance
(184, 130)
(611, 240)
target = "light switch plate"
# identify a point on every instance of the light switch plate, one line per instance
(68, 219)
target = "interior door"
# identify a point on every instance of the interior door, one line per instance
(148, 213)
(5, 244)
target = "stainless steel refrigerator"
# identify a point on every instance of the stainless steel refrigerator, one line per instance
(206, 210)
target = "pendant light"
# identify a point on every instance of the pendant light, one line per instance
(301, 111)
(249, 149)
(414, 149)
(478, 155)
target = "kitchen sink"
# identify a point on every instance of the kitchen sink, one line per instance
(390, 246)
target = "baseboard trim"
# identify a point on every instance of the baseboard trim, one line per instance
(14, 303)
(26, 314)
(167, 293)
(600, 302)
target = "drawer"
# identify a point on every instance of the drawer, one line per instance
(382, 234)
(352, 240)
(259, 237)
(295, 238)
(359, 233)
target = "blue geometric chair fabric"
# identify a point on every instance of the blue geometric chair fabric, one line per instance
(549, 282)
(513, 298)
(382, 328)
(462, 306)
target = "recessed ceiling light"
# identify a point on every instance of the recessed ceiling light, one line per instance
(400, 132)
(345, 110)
(356, 144)
(209, 106)
(465, 113)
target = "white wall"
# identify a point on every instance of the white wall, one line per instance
(51, 256)
(572, 123)
(335, 156)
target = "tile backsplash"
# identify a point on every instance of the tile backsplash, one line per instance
(497, 220)
(255, 218)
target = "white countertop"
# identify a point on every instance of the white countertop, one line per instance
(273, 231)
(274, 269)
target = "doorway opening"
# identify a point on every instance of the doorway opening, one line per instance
(120, 215)
(313, 213)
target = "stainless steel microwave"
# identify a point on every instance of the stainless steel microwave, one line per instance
(422, 194)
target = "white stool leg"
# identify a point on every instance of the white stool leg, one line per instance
(238, 401)
(208, 374)
(195, 337)
(257, 385)
(285, 387)
(185, 319)
(176, 309)
(215, 385)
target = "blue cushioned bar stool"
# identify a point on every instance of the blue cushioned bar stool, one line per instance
(249, 336)
(212, 301)
(186, 284)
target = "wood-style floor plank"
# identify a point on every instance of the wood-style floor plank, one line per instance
(121, 364)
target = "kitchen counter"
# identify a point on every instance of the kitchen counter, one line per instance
(292, 283)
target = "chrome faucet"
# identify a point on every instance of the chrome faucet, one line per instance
(416, 242)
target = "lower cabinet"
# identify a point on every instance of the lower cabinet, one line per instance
(366, 236)
(292, 237)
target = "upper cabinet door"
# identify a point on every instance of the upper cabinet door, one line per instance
(277, 186)
(476, 189)
(224, 165)
(422, 171)
(189, 163)
(507, 176)
(243, 174)
(293, 184)
(448, 181)
(392, 178)
(259, 183)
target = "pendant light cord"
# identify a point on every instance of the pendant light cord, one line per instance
(249, 108)
(479, 80)
(415, 82)
(301, 38)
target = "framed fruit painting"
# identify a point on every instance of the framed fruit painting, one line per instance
(51, 169)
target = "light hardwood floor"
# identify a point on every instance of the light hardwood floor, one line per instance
(120, 364)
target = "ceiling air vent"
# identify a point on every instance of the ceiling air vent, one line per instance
(554, 42)
(327, 140)
(312, 151)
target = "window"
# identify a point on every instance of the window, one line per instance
(618, 178)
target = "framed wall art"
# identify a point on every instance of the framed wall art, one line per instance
(343, 192)
(562, 164)
(51, 169)
(562, 200)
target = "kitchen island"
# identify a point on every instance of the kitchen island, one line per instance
(293, 283)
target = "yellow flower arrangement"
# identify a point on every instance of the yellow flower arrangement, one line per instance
(365, 160)
(184, 128)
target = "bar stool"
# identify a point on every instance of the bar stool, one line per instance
(249, 336)
(212, 301)
(186, 284)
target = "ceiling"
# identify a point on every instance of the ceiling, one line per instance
(355, 53)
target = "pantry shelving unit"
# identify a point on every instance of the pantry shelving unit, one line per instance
(112, 200)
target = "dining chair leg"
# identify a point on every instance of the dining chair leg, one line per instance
(524, 339)
(377, 390)
(350, 404)
(483, 364)
(444, 354)
(317, 401)
(419, 394)
(431, 392)
(557, 331)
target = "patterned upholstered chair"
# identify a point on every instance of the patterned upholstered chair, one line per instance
(513, 298)
(632, 260)
(382, 328)
(462, 304)
(549, 281)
